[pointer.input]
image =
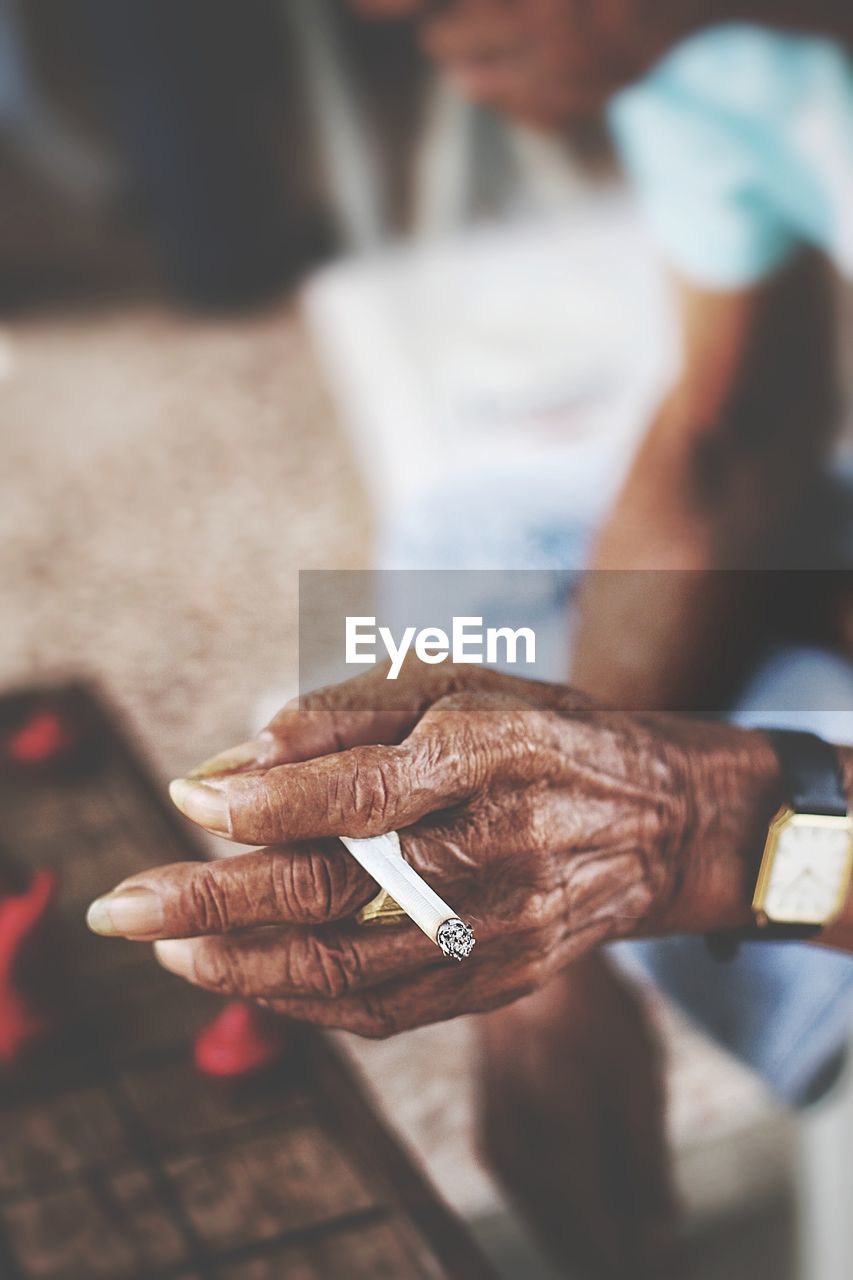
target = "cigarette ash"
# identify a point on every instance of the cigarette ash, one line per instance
(456, 939)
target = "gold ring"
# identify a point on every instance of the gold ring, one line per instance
(380, 910)
(383, 909)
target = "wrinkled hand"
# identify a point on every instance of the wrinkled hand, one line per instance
(548, 823)
(573, 1122)
(546, 61)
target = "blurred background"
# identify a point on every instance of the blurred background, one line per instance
(262, 274)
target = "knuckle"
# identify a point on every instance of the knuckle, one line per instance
(306, 885)
(538, 823)
(266, 816)
(207, 902)
(371, 789)
(534, 911)
(430, 753)
(327, 972)
(323, 885)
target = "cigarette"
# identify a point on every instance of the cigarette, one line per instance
(382, 858)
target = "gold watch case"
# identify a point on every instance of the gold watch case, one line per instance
(806, 869)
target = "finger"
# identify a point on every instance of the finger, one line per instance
(367, 709)
(319, 724)
(291, 962)
(431, 995)
(370, 708)
(309, 727)
(247, 757)
(364, 791)
(305, 885)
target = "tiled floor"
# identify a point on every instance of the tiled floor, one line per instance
(164, 479)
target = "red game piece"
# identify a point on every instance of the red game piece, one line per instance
(241, 1041)
(42, 738)
(20, 916)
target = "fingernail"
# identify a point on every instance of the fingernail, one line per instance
(177, 955)
(131, 912)
(252, 752)
(202, 804)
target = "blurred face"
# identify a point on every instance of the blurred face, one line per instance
(546, 61)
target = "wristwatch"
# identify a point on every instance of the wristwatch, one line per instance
(806, 870)
(807, 865)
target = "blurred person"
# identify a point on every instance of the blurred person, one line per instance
(188, 84)
(734, 122)
(738, 140)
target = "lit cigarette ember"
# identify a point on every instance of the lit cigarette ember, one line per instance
(456, 939)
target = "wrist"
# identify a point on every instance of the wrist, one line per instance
(734, 786)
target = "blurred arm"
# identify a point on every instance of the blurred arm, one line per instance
(723, 471)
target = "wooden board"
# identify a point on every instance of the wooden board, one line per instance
(117, 1159)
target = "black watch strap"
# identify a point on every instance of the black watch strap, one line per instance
(811, 772)
(726, 944)
(812, 783)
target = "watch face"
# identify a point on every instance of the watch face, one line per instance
(806, 870)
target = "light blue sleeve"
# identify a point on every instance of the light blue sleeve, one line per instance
(702, 165)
